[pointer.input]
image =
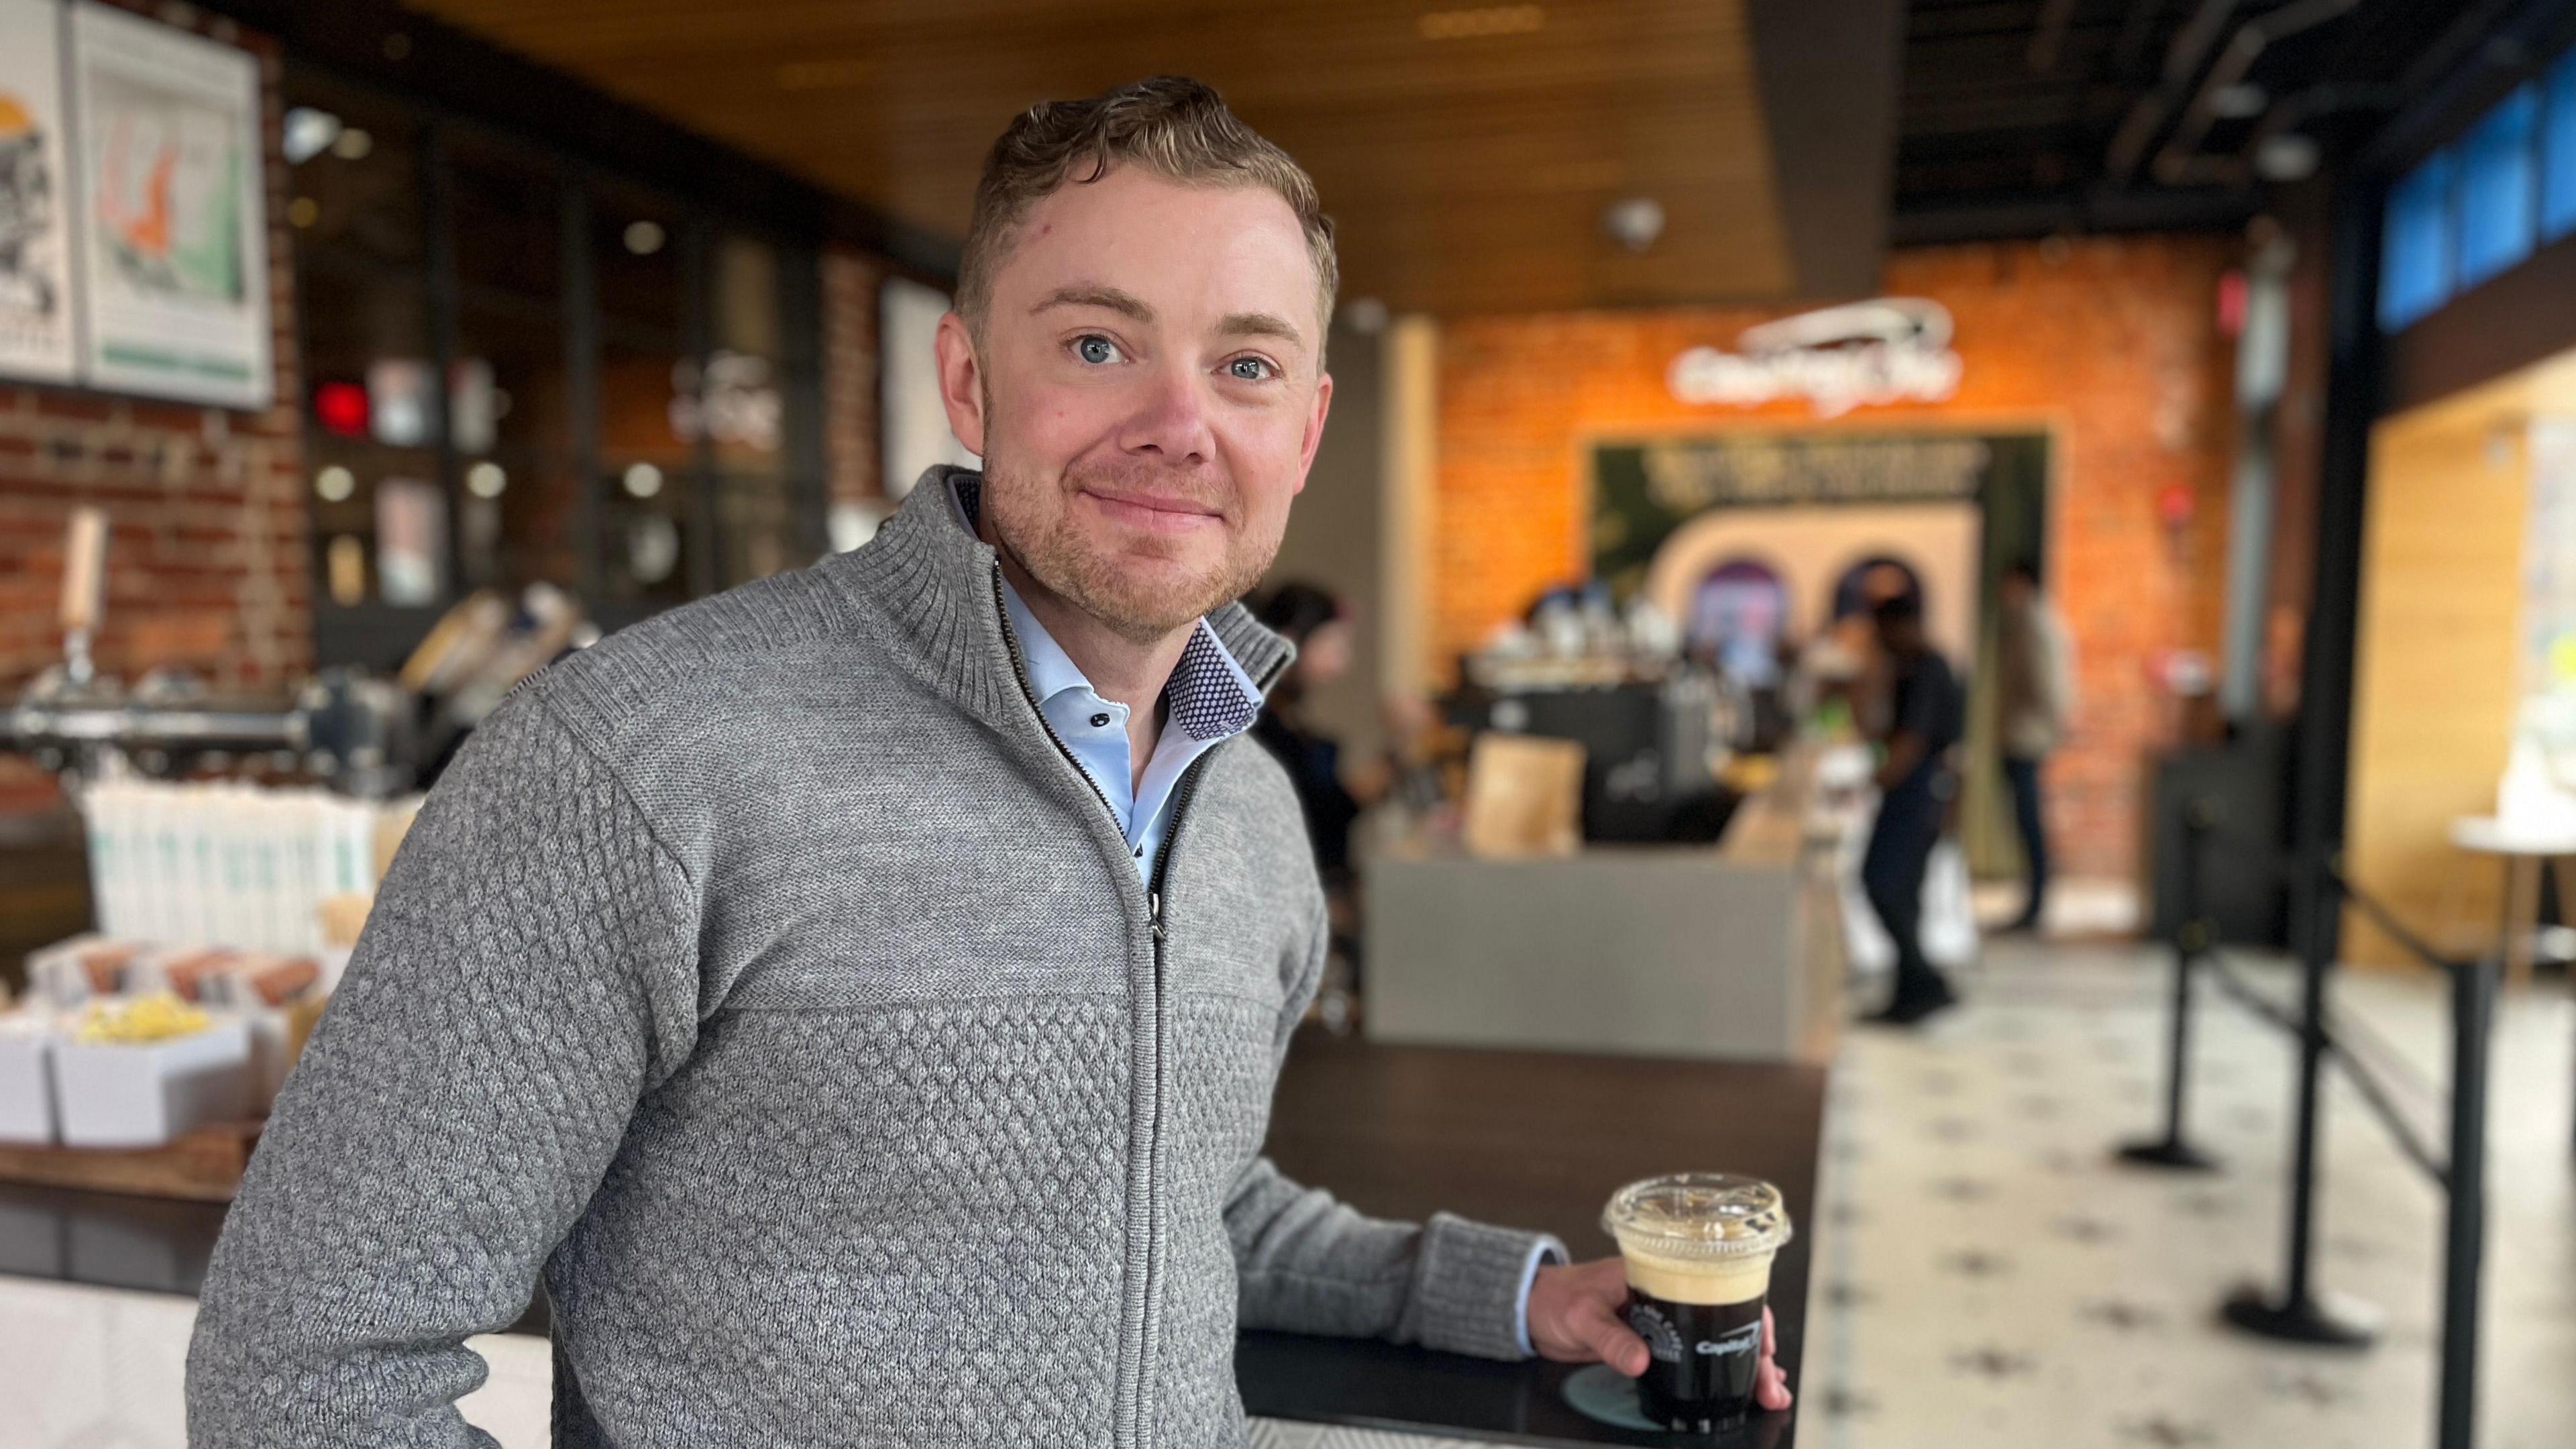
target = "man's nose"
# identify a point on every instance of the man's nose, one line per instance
(1171, 421)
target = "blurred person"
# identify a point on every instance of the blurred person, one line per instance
(1311, 618)
(794, 983)
(2036, 679)
(1916, 783)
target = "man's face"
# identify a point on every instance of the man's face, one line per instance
(1146, 394)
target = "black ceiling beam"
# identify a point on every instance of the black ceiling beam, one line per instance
(2034, 215)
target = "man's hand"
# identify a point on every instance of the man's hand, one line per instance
(1575, 1317)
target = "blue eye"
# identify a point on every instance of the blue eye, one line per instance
(1096, 349)
(1248, 369)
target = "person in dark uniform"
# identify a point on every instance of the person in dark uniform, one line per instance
(1916, 783)
(1312, 619)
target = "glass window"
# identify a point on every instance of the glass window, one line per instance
(647, 449)
(2496, 188)
(355, 162)
(2558, 151)
(511, 407)
(2415, 256)
(509, 218)
(635, 256)
(739, 407)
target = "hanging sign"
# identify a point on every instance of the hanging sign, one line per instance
(1894, 349)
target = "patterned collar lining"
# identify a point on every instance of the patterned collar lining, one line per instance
(1209, 693)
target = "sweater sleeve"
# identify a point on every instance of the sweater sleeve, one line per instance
(528, 971)
(1306, 1262)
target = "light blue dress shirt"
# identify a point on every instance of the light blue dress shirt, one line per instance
(1095, 729)
(1211, 700)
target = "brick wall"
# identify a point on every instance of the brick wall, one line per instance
(2112, 344)
(208, 551)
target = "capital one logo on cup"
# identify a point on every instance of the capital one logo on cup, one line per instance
(1741, 1340)
(1889, 350)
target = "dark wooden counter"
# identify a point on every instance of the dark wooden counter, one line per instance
(1526, 1139)
(1533, 1140)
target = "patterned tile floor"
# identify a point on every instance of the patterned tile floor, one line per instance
(1989, 1277)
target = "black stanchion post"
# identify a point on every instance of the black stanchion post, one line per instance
(2301, 1314)
(2194, 936)
(2473, 985)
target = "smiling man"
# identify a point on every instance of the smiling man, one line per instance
(857, 997)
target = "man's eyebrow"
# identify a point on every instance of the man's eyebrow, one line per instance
(1260, 324)
(1127, 303)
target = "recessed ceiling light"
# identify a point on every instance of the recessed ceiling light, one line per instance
(335, 484)
(1634, 222)
(643, 480)
(486, 480)
(2289, 156)
(2238, 102)
(644, 238)
(309, 132)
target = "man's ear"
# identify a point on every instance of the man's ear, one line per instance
(1314, 428)
(961, 382)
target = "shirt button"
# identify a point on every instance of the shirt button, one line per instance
(1100, 721)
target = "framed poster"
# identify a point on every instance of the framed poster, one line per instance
(174, 240)
(36, 319)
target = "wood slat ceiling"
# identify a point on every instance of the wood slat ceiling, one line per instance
(1466, 172)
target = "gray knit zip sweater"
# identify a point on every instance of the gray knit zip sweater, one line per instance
(768, 983)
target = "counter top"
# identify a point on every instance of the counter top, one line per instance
(1533, 1140)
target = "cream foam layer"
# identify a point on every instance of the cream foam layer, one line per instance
(1674, 1280)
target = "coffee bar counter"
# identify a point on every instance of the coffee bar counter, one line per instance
(1527, 1139)
(1729, 951)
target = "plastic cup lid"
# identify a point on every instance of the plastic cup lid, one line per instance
(1698, 1216)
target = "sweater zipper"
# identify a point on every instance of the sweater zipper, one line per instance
(1154, 921)
(1162, 1077)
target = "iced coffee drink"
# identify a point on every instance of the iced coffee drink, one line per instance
(1698, 1248)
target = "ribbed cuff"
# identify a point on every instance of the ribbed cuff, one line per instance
(1546, 1249)
(1467, 1297)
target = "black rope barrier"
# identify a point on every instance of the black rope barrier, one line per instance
(2301, 1312)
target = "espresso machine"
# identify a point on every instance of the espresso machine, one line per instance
(364, 734)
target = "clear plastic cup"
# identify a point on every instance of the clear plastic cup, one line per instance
(1698, 1248)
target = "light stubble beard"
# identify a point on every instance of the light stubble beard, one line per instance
(1140, 607)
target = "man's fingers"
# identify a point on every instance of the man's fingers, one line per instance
(1611, 1342)
(1771, 1387)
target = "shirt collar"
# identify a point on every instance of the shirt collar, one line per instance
(1210, 695)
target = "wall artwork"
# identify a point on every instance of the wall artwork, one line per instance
(37, 337)
(173, 256)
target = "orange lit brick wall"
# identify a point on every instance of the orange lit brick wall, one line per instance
(209, 559)
(2110, 344)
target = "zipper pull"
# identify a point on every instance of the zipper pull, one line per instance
(1154, 913)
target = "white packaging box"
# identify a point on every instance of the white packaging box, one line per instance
(119, 1094)
(27, 1078)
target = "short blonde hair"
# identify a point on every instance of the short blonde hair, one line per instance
(1171, 125)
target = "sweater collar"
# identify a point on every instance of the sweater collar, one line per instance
(932, 580)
